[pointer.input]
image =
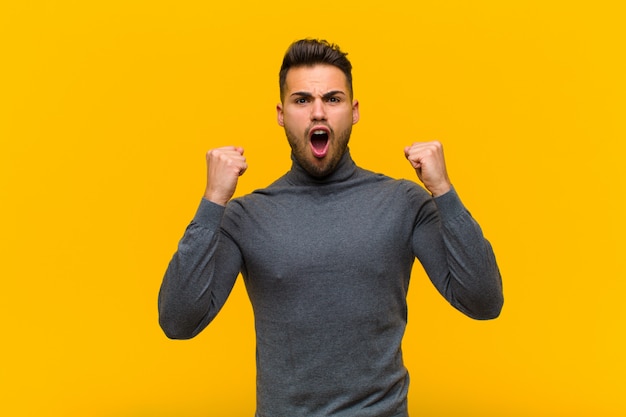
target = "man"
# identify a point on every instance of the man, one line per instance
(326, 254)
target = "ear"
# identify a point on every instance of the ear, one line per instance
(355, 112)
(280, 115)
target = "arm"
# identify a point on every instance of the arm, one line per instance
(199, 277)
(203, 270)
(457, 258)
(449, 242)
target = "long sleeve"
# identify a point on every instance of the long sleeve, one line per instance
(458, 259)
(200, 275)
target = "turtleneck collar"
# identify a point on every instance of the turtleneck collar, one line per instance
(343, 171)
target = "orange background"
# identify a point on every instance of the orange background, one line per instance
(107, 109)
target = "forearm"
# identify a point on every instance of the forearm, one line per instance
(199, 277)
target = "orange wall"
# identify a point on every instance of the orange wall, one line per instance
(108, 107)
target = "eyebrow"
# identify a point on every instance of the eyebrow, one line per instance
(325, 95)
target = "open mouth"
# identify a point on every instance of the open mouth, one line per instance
(319, 143)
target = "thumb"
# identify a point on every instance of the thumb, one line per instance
(407, 154)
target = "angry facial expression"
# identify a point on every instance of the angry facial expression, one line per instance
(317, 113)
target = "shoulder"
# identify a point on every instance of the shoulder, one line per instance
(402, 188)
(257, 200)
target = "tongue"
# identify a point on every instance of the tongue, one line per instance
(319, 146)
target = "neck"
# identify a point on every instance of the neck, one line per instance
(344, 170)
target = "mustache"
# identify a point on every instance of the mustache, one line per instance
(327, 126)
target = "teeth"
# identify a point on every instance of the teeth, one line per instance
(319, 132)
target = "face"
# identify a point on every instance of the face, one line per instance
(317, 114)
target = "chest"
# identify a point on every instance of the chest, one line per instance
(289, 237)
(350, 252)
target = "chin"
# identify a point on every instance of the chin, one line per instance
(322, 168)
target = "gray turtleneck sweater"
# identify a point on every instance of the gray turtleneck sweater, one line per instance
(326, 264)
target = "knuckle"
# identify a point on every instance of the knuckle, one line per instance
(215, 153)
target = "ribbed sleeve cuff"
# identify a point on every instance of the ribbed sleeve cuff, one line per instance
(209, 214)
(450, 205)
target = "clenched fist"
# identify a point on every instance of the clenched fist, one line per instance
(429, 164)
(224, 166)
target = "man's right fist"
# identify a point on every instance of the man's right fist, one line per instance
(224, 166)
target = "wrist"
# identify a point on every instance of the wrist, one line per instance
(215, 198)
(441, 190)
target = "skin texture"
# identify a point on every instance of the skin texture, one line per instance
(318, 98)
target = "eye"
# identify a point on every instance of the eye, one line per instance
(334, 99)
(301, 100)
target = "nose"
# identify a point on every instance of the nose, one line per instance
(318, 110)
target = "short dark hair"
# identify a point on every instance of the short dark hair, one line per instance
(309, 52)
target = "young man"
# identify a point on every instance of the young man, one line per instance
(326, 254)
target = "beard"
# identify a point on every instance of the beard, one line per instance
(318, 167)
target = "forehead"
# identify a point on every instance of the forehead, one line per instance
(316, 78)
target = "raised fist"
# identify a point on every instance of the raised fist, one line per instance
(224, 166)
